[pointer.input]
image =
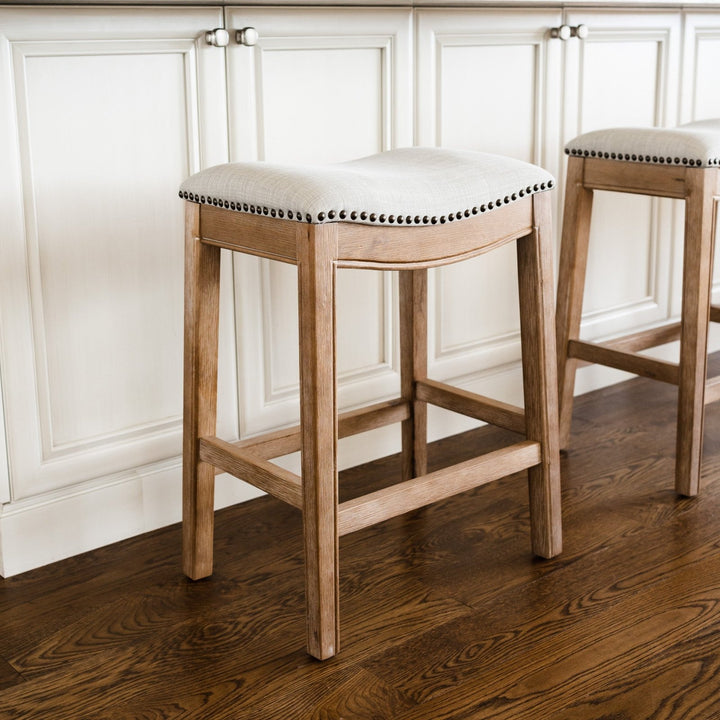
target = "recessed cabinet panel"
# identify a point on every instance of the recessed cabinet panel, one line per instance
(107, 111)
(487, 81)
(322, 91)
(491, 112)
(320, 86)
(624, 74)
(700, 97)
(112, 366)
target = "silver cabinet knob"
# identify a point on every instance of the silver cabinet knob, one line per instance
(219, 37)
(580, 31)
(247, 36)
(564, 32)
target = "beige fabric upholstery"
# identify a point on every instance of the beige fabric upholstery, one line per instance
(695, 144)
(418, 186)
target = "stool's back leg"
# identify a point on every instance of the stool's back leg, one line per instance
(539, 361)
(202, 286)
(317, 254)
(571, 285)
(413, 366)
(697, 287)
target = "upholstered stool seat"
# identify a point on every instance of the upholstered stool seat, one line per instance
(695, 144)
(682, 163)
(406, 210)
(411, 186)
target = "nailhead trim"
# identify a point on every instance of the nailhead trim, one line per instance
(691, 162)
(334, 215)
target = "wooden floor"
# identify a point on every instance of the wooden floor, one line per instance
(445, 613)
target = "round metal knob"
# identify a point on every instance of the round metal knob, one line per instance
(564, 32)
(219, 37)
(247, 36)
(580, 31)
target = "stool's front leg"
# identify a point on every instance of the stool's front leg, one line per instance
(202, 288)
(540, 378)
(697, 287)
(318, 417)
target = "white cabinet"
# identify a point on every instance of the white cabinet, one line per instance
(321, 85)
(700, 98)
(102, 113)
(625, 73)
(487, 80)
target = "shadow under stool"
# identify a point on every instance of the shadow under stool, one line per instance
(407, 210)
(682, 163)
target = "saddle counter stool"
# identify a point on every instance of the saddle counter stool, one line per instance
(682, 163)
(407, 210)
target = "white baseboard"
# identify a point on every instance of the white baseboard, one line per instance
(42, 530)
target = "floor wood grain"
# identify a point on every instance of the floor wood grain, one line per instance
(445, 614)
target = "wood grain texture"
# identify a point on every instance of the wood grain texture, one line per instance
(648, 367)
(639, 178)
(202, 297)
(446, 614)
(317, 256)
(698, 187)
(539, 365)
(571, 284)
(288, 440)
(277, 481)
(468, 403)
(429, 245)
(413, 368)
(421, 491)
(700, 213)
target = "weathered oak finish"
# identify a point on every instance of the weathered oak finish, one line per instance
(539, 363)
(413, 369)
(700, 189)
(202, 302)
(318, 250)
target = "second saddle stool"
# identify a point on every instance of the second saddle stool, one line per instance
(682, 163)
(406, 210)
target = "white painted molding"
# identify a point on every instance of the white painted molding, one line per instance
(64, 523)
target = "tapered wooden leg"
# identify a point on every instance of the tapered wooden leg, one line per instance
(571, 285)
(537, 328)
(697, 286)
(202, 286)
(318, 417)
(413, 366)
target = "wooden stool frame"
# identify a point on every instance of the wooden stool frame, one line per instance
(699, 188)
(318, 250)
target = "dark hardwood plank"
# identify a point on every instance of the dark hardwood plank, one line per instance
(8, 675)
(444, 611)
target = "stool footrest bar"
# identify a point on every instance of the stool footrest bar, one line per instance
(715, 313)
(471, 404)
(286, 441)
(278, 482)
(630, 362)
(412, 494)
(645, 338)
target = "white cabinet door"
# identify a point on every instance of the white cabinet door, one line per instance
(489, 81)
(103, 112)
(625, 73)
(320, 86)
(701, 60)
(700, 97)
